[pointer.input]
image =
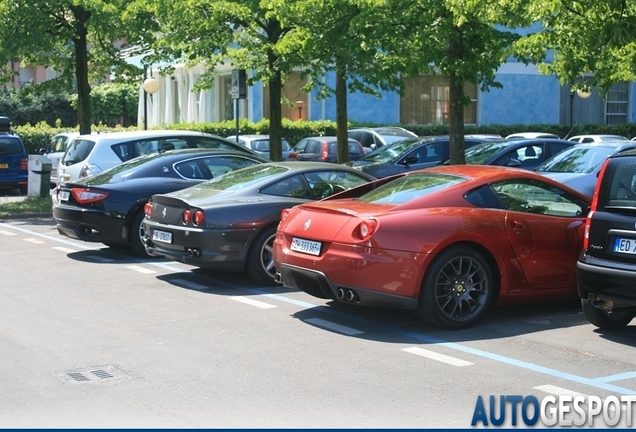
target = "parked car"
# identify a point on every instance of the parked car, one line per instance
(447, 242)
(597, 138)
(54, 152)
(578, 166)
(14, 160)
(520, 153)
(325, 149)
(229, 223)
(91, 154)
(411, 154)
(532, 135)
(377, 137)
(606, 269)
(260, 144)
(108, 207)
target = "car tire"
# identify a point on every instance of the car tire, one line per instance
(457, 290)
(618, 318)
(136, 234)
(260, 259)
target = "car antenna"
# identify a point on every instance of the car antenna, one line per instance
(566, 137)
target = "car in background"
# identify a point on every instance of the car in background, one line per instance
(578, 166)
(597, 138)
(374, 138)
(54, 152)
(520, 153)
(107, 207)
(229, 223)
(448, 242)
(260, 144)
(532, 135)
(412, 154)
(14, 160)
(606, 269)
(325, 149)
(91, 154)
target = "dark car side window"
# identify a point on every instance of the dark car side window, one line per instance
(530, 196)
(619, 184)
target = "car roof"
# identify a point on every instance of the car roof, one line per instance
(123, 135)
(523, 135)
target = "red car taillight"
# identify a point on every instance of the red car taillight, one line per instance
(284, 214)
(87, 196)
(588, 219)
(199, 217)
(293, 155)
(365, 229)
(325, 152)
(24, 163)
(186, 217)
(148, 209)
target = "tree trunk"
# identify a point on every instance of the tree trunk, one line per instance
(275, 85)
(342, 125)
(81, 72)
(456, 127)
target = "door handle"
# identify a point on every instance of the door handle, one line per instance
(517, 224)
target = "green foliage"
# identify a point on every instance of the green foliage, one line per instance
(30, 106)
(30, 205)
(113, 104)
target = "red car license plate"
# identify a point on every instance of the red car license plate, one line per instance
(305, 246)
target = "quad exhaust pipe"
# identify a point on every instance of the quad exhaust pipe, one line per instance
(193, 252)
(347, 295)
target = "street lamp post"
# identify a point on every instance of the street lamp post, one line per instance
(151, 86)
(583, 93)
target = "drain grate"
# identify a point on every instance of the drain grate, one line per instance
(98, 374)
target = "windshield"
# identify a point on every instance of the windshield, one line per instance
(240, 179)
(480, 154)
(392, 151)
(577, 159)
(410, 187)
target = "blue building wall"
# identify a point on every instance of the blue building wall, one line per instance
(524, 99)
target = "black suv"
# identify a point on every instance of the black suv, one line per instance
(606, 269)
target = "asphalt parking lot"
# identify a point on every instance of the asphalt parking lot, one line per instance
(92, 336)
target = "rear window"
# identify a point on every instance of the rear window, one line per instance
(410, 187)
(619, 184)
(78, 151)
(11, 146)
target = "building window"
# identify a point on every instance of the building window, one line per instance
(427, 101)
(616, 103)
(225, 98)
(292, 91)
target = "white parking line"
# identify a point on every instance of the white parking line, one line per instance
(191, 285)
(34, 241)
(8, 233)
(436, 356)
(100, 258)
(335, 327)
(63, 249)
(251, 302)
(141, 269)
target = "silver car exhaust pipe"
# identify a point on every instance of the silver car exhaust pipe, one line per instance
(349, 295)
(193, 252)
(278, 278)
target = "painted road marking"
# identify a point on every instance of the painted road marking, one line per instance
(140, 269)
(333, 326)
(34, 241)
(437, 356)
(252, 302)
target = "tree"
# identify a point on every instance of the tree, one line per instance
(585, 43)
(75, 38)
(250, 34)
(465, 41)
(341, 36)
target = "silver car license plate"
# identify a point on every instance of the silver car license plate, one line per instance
(305, 246)
(63, 196)
(162, 236)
